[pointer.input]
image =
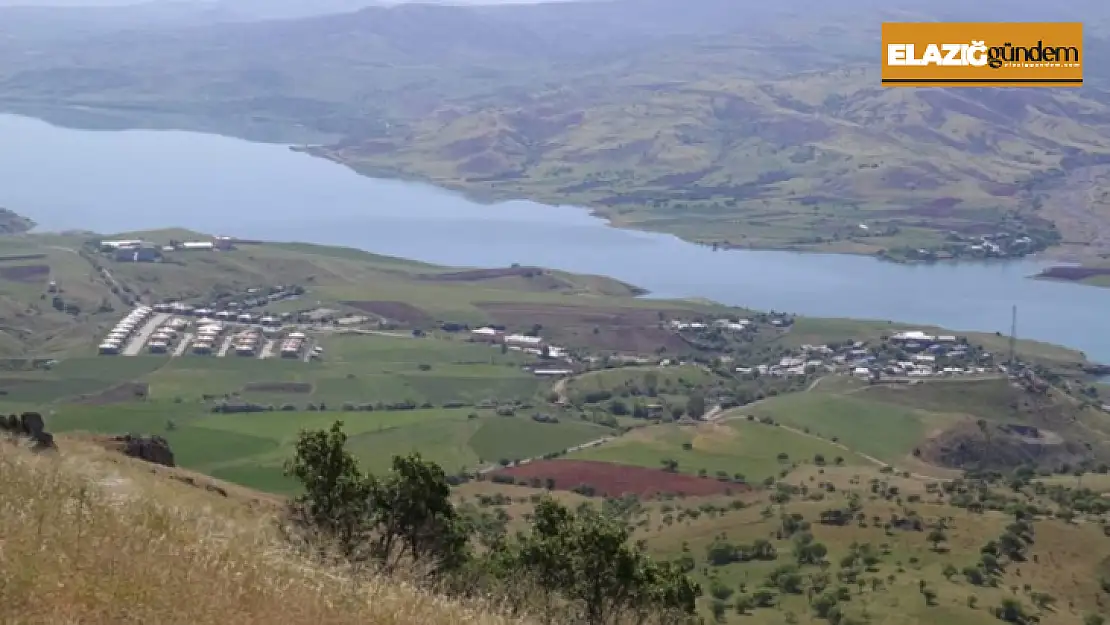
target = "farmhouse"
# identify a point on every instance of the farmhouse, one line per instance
(523, 340)
(224, 243)
(547, 373)
(486, 334)
(912, 336)
(109, 246)
(137, 254)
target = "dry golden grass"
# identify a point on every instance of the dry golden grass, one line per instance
(88, 539)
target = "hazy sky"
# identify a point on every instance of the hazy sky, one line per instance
(74, 3)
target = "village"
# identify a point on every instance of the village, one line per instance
(176, 329)
(908, 354)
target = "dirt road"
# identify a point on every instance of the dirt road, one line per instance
(186, 339)
(586, 445)
(143, 335)
(267, 349)
(224, 347)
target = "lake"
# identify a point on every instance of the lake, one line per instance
(112, 181)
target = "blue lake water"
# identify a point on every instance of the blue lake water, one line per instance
(110, 181)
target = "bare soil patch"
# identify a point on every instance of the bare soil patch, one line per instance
(118, 394)
(278, 387)
(1005, 446)
(26, 274)
(396, 311)
(614, 480)
(627, 330)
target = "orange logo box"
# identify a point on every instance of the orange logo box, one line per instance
(982, 54)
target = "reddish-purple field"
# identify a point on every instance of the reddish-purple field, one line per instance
(397, 311)
(613, 480)
(27, 274)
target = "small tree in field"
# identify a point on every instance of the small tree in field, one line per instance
(405, 515)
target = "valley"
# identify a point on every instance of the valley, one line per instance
(697, 431)
(588, 313)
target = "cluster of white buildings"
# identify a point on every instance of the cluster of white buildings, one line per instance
(789, 366)
(734, 325)
(113, 343)
(920, 355)
(162, 338)
(216, 243)
(293, 345)
(207, 314)
(535, 345)
(208, 334)
(247, 342)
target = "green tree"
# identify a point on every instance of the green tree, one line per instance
(405, 515)
(336, 498)
(695, 405)
(937, 536)
(1011, 611)
(824, 603)
(930, 596)
(413, 517)
(587, 556)
(719, 609)
(745, 604)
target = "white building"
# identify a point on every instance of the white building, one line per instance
(119, 245)
(485, 334)
(520, 339)
(912, 335)
(198, 245)
(552, 372)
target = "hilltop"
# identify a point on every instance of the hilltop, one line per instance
(114, 543)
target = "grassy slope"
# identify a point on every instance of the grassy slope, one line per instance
(1066, 566)
(759, 163)
(96, 539)
(750, 449)
(34, 327)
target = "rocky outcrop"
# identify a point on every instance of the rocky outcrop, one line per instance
(28, 425)
(154, 449)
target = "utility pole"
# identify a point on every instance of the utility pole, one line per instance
(1013, 339)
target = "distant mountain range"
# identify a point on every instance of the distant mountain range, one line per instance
(683, 116)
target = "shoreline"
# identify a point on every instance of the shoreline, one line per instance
(1082, 361)
(487, 199)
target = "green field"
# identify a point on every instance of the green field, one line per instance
(738, 447)
(874, 428)
(357, 369)
(250, 449)
(73, 377)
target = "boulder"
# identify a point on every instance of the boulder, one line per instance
(43, 442)
(153, 449)
(32, 423)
